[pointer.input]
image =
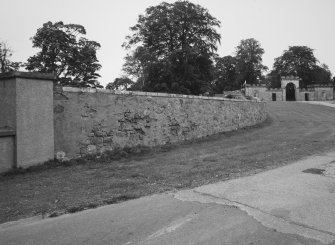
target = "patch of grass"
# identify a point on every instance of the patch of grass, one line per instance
(120, 198)
(113, 155)
(53, 215)
(92, 205)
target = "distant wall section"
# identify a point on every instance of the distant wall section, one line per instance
(314, 92)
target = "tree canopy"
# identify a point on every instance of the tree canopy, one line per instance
(225, 74)
(300, 61)
(66, 53)
(171, 48)
(121, 83)
(230, 72)
(249, 61)
(6, 64)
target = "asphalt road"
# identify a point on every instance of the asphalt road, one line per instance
(288, 205)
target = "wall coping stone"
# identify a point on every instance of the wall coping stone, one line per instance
(30, 75)
(148, 94)
(256, 85)
(274, 90)
(320, 85)
(290, 77)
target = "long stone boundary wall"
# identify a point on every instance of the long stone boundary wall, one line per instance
(89, 121)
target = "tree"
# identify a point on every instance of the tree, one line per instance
(122, 83)
(273, 79)
(249, 62)
(137, 64)
(225, 74)
(300, 61)
(6, 64)
(67, 54)
(321, 74)
(172, 48)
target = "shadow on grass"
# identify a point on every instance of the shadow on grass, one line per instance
(75, 209)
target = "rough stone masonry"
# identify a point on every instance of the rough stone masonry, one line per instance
(89, 121)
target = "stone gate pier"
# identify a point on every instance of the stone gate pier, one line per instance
(26, 119)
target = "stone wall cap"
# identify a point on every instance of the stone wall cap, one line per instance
(31, 75)
(147, 94)
(290, 77)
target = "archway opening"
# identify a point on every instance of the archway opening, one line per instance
(306, 96)
(290, 92)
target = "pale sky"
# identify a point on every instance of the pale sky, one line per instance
(276, 24)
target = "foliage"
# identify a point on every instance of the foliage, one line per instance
(321, 74)
(67, 54)
(172, 49)
(272, 79)
(249, 62)
(122, 83)
(225, 74)
(6, 64)
(300, 61)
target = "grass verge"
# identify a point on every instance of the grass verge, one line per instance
(54, 188)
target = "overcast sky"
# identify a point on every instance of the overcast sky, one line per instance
(276, 24)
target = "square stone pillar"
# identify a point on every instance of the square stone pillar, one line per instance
(26, 106)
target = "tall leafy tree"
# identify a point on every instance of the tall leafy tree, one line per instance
(66, 53)
(225, 74)
(6, 64)
(137, 65)
(121, 83)
(322, 74)
(300, 61)
(296, 61)
(272, 79)
(171, 48)
(249, 61)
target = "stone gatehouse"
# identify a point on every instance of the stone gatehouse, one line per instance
(290, 91)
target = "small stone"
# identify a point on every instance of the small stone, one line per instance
(60, 156)
(97, 140)
(100, 133)
(146, 112)
(108, 139)
(91, 149)
(59, 109)
(120, 134)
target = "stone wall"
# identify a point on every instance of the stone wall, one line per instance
(262, 93)
(324, 93)
(92, 121)
(305, 95)
(314, 92)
